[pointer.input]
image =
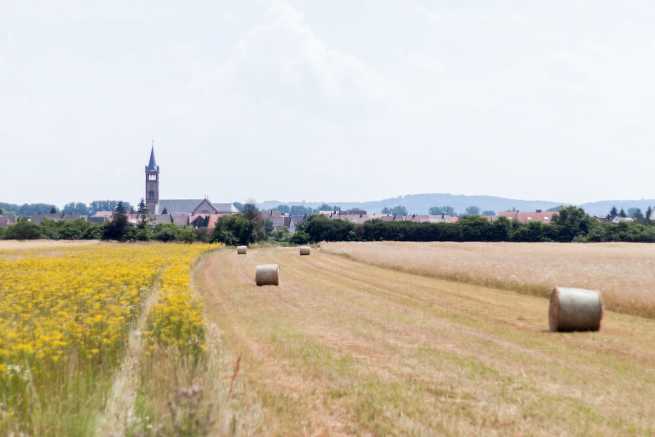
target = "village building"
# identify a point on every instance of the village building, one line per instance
(545, 217)
(181, 212)
(278, 219)
(364, 217)
(100, 217)
(7, 220)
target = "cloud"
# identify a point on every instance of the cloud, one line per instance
(285, 60)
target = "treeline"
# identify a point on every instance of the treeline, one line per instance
(83, 230)
(72, 208)
(118, 229)
(249, 226)
(570, 224)
(26, 209)
(245, 228)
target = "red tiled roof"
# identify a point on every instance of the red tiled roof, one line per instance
(525, 217)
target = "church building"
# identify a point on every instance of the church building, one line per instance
(191, 209)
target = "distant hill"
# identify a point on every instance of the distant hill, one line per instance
(603, 207)
(421, 203)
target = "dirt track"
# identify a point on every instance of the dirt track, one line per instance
(342, 347)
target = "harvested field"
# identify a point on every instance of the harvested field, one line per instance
(344, 347)
(623, 272)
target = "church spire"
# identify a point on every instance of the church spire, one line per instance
(152, 164)
(152, 183)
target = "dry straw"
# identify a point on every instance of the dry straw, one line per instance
(575, 309)
(242, 250)
(305, 250)
(267, 274)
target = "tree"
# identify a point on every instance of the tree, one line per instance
(53, 210)
(472, 210)
(268, 227)
(326, 207)
(396, 211)
(186, 235)
(321, 228)
(399, 211)
(143, 214)
(107, 205)
(442, 210)
(299, 237)
(281, 235)
(571, 222)
(649, 214)
(165, 233)
(118, 227)
(622, 213)
(28, 210)
(23, 230)
(165, 211)
(531, 232)
(233, 229)
(300, 210)
(613, 213)
(76, 208)
(636, 214)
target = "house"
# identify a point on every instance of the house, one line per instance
(619, 219)
(545, 217)
(7, 220)
(278, 219)
(416, 218)
(428, 218)
(295, 221)
(194, 207)
(100, 217)
(208, 221)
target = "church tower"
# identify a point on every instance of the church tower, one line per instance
(152, 183)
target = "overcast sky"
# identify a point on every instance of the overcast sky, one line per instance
(327, 100)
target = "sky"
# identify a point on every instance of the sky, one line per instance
(340, 100)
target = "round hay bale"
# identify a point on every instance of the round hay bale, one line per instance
(242, 250)
(305, 250)
(575, 309)
(267, 274)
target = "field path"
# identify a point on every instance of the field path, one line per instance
(115, 419)
(342, 348)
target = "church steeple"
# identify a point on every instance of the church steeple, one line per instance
(152, 183)
(152, 164)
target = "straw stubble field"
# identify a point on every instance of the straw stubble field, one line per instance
(623, 272)
(340, 347)
(343, 347)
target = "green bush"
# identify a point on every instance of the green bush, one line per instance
(23, 230)
(165, 233)
(299, 237)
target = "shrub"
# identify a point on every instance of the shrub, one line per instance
(23, 230)
(165, 233)
(299, 237)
